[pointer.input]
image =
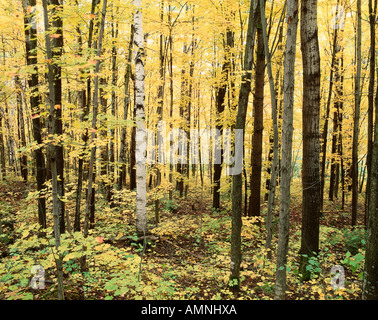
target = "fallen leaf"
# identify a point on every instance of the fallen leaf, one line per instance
(100, 239)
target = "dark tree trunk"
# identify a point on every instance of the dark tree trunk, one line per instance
(122, 148)
(55, 126)
(372, 17)
(325, 127)
(356, 120)
(2, 148)
(21, 130)
(112, 169)
(258, 126)
(287, 143)
(132, 157)
(35, 99)
(220, 106)
(370, 279)
(237, 182)
(310, 125)
(89, 212)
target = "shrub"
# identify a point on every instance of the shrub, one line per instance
(355, 239)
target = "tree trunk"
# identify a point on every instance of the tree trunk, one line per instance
(171, 89)
(133, 183)
(35, 98)
(103, 134)
(55, 151)
(332, 179)
(370, 278)
(182, 124)
(160, 155)
(310, 125)
(237, 182)
(325, 127)
(356, 121)
(340, 106)
(82, 102)
(287, 143)
(2, 149)
(272, 188)
(372, 17)
(89, 204)
(21, 130)
(85, 99)
(58, 43)
(140, 134)
(112, 169)
(122, 147)
(10, 140)
(220, 106)
(258, 125)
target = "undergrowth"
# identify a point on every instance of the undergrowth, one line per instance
(186, 257)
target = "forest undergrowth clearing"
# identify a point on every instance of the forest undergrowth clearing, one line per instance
(187, 258)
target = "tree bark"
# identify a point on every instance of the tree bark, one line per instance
(287, 143)
(89, 204)
(272, 188)
(171, 88)
(160, 156)
(85, 99)
(356, 121)
(122, 147)
(140, 134)
(310, 125)
(220, 106)
(103, 134)
(328, 106)
(372, 23)
(21, 130)
(82, 101)
(35, 99)
(370, 278)
(332, 179)
(237, 182)
(2, 150)
(57, 42)
(258, 125)
(54, 150)
(114, 102)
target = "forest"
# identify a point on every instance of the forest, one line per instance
(215, 150)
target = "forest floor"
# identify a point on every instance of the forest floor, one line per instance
(186, 256)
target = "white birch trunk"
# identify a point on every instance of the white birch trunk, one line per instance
(140, 137)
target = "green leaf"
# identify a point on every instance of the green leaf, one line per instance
(27, 296)
(24, 282)
(111, 286)
(359, 257)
